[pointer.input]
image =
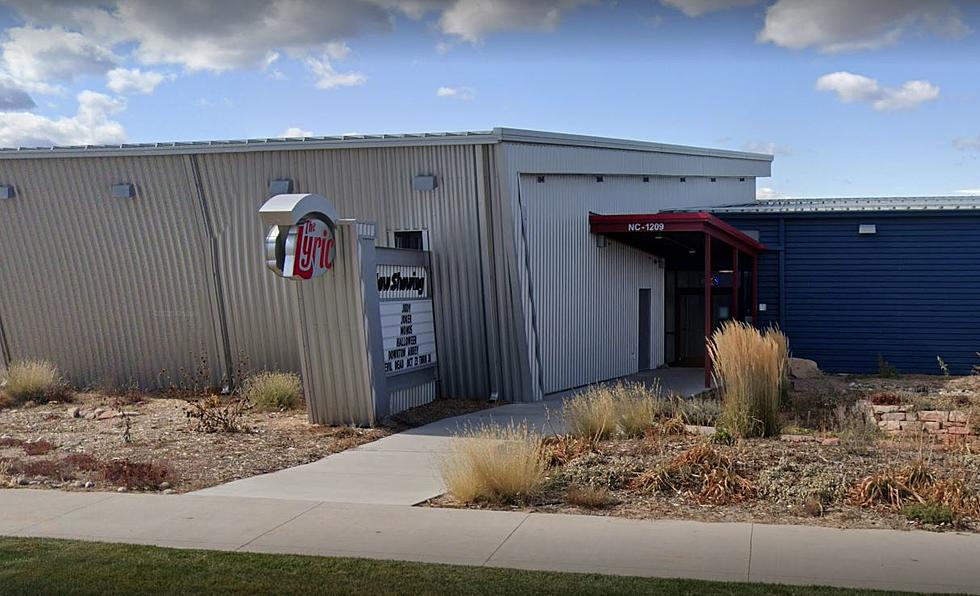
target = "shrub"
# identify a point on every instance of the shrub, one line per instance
(857, 433)
(273, 390)
(750, 371)
(886, 370)
(884, 398)
(495, 463)
(589, 497)
(40, 447)
(702, 472)
(721, 436)
(929, 513)
(82, 461)
(699, 411)
(591, 414)
(136, 475)
(213, 414)
(33, 380)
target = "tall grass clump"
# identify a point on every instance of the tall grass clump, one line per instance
(495, 463)
(629, 409)
(750, 371)
(32, 380)
(273, 390)
(592, 413)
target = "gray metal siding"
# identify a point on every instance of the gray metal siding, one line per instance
(583, 299)
(909, 292)
(113, 291)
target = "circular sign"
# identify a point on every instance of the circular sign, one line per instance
(303, 251)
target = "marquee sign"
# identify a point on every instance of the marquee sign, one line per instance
(407, 323)
(300, 243)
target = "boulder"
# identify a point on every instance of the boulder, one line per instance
(801, 368)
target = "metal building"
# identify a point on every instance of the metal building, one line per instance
(128, 264)
(855, 280)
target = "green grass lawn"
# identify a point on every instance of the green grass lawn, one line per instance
(29, 566)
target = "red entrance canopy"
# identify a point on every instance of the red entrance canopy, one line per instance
(675, 222)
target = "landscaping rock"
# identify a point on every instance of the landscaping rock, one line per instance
(958, 430)
(73, 412)
(801, 368)
(960, 417)
(830, 442)
(934, 416)
(893, 416)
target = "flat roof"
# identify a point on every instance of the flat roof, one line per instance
(497, 135)
(847, 204)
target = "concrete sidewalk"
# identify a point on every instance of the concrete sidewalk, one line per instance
(404, 469)
(882, 559)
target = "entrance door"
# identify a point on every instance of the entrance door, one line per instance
(690, 335)
(644, 330)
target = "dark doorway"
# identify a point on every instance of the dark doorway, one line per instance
(645, 319)
(690, 323)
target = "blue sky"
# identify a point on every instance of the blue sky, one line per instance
(878, 97)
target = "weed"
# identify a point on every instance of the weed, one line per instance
(136, 475)
(273, 390)
(40, 447)
(33, 380)
(214, 414)
(82, 461)
(812, 507)
(857, 433)
(936, 514)
(886, 370)
(943, 367)
(562, 449)
(750, 370)
(721, 436)
(589, 497)
(698, 411)
(495, 463)
(884, 398)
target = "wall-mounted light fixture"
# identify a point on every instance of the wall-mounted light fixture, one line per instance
(6, 192)
(281, 186)
(601, 241)
(123, 191)
(867, 229)
(424, 183)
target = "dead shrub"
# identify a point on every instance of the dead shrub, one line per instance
(214, 414)
(917, 483)
(39, 468)
(884, 398)
(495, 463)
(136, 475)
(10, 442)
(40, 447)
(561, 449)
(82, 461)
(589, 497)
(750, 371)
(702, 472)
(273, 390)
(34, 380)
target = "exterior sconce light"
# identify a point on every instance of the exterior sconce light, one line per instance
(123, 191)
(6, 192)
(281, 186)
(424, 183)
(867, 229)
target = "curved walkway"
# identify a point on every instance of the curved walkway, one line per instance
(884, 559)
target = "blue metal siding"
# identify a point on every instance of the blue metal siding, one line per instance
(911, 292)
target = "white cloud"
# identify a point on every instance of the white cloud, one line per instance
(847, 25)
(769, 147)
(133, 80)
(32, 57)
(461, 93)
(328, 78)
(91, 125)
(295, 131)
(696, 8)
(969, 192)
(764, 192)
(851, 87)
(967, 143)
(472, 20)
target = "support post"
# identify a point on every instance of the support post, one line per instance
(708, 311)
(735, 273)
(755, 290)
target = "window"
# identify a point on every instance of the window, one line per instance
(411, 239)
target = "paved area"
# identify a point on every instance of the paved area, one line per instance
(882, 559)
(404, 469)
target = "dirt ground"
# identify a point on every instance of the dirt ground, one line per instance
(75, 446)
(785, 476)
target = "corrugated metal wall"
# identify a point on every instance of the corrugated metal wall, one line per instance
(113, 291)
(909, 292)
(585, 298)
(412, 397)
(518, 165)
(367, 185)
(118, 291)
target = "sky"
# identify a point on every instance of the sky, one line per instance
(852, 97)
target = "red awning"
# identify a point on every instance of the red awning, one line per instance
(657, 223)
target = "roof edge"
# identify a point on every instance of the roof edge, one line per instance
(519, 135)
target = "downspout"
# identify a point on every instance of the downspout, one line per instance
(222, 330)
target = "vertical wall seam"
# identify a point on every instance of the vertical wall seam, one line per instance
(485, 253)
(530, 288)
(222, 323)
(5, 356)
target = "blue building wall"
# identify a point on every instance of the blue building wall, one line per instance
(911, 292)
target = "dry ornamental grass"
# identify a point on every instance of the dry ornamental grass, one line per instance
(273, 391)
(32, 380)
(495, 463)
